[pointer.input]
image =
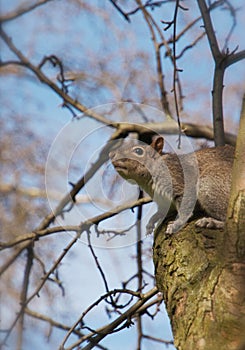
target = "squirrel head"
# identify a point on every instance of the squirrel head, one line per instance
(134, 160)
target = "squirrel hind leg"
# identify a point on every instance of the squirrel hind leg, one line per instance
(209, 222)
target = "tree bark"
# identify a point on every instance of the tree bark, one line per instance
(204, 294)
(236, 208)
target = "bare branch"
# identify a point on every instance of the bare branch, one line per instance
(102, 273)
(23, 297)
(222, 61)
(176, 70)
(157, 46)
(217, 104)
(56, 324)
(188, 27)
(70, 197)
(39, 287)
(13, 257)
(125, 15)
(159, 340)
(190, 46)
(234, 58)
(96, 303)
(139, 267)
(213, 43)
(35, 192)
(125, 317)
(22, 10)
(171, 128)
(44, 79)
(52, 322)
(151, 4)
(79, 229)
(232, 11)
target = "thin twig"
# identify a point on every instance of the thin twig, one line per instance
(44, 79)
(217, 104)
(102, 273)
(159, 340)
(190, 46)
(139, 268)
(213, 43)
(175, 72)
(125, 317)
(14, 256)
(125, 15)
(73, 228)
(234, 58)
(41, 284)
(157, 46)
(96, 303)
(232, 11)
(51, 321)
(23, 297)
(56, 324)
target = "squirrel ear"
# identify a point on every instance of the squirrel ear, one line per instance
(158, 144)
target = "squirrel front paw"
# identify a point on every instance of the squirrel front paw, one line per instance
(173, 227)
(209, 223)
(170, 228)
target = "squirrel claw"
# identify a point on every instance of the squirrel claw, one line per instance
(175, 226)
(209, 223)
(171, 228)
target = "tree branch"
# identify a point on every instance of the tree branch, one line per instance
(96, 303)
(157, 47)
(125, 317)
(56, 324)
(23, 9)
(23, 297)
(219, 70)
(234, 58)
(125, 15)
(52, 322)
(44, 79)
(213, 43)
(79, 229)
(14, 256)
(39, 287)
(222, 61)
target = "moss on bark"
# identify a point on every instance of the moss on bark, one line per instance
(203, 291)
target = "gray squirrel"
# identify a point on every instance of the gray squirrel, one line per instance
(193, 183)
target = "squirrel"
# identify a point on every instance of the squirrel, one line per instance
(192, 183)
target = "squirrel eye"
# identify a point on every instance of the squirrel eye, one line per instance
(139, 151)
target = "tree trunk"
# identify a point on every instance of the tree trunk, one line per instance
(201, 273)
(204, 294)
